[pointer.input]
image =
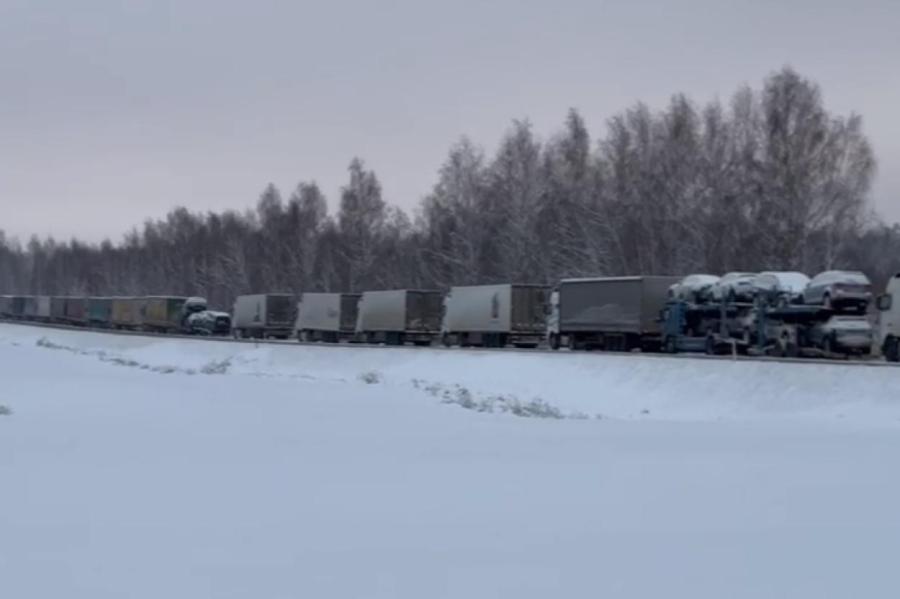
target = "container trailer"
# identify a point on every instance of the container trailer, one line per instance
(613, 313)
(399, 316)
(263, 315)
(329, 317)
(126, 313)
(495, 315)
(99, 312)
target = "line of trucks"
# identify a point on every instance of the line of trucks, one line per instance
(635, 313)
(157, 314)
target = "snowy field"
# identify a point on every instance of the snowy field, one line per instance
(147, 468)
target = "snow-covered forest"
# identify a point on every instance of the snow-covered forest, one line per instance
(768, 179)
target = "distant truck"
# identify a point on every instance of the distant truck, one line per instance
(127, 313)
(75, 310)
(888, 330)
(329, 317)
(99, 311)
(30, 308)
(162, 313)
(43, 308)
(169, 314)
(17, 306)
(263, 315)
(57, 308)
(495, 315)
(613, 313)
(399, 316)
(208, 322)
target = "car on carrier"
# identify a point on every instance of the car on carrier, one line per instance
(693, 288)
(842, 333)
(780, 288)
(839, 290)
(734, 287)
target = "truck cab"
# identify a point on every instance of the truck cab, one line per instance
(888, 330)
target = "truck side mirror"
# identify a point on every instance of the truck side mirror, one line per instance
(884, 302)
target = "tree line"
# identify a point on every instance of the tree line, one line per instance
(767, 181)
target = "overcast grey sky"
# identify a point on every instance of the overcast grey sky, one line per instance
(111, 112)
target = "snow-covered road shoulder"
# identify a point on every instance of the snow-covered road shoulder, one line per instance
(555, 385)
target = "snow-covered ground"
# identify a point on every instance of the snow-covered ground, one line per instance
(146, 467)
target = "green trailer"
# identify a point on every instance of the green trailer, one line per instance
(99, 311)
(163, 314)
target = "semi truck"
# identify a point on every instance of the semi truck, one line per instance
(329, 317)
(761, 328)
(398, 316)
(169, 314)
(162, 313)
(612, 313)
(495, 315)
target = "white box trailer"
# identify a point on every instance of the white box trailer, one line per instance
(263, 315)
(43, 308)
(36, 307)
(495, 315)
(888, 330)
(400, 315)
(327, 317)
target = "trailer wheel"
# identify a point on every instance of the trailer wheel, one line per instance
(671, 345)
(553, 341)
(786, 349)
(828, 345)
(780, 349)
